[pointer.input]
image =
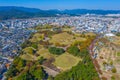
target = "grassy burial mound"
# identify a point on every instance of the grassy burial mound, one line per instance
(65, 38)
(53, 54)
(66, 61)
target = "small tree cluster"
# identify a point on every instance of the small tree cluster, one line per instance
(57, 51)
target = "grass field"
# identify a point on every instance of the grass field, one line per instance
(44, 53)
(28, 50)
(28, 57)
(65, 38)
(66, 61)
(37, 37)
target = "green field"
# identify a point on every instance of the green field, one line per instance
(66, 61)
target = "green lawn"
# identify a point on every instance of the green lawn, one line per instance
(66, 61)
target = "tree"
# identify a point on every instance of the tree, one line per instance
(114, 70)
(118, 34)
(74, 50)
(19, 63)
(12, 71)
(25, 44)
(57, 51)
(41, 60)
(24, 76)
(113, 78)
(34, 45)
(83, 53)
(39, 74)
(84, 70)
(50, 78)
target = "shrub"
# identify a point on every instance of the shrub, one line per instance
(74, 50)
(57, 51)
(114, 70)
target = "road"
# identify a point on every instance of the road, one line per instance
(92, 54)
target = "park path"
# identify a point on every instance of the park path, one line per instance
(50, 71)
(91, 52)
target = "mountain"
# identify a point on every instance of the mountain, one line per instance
(85, 11)
(8, 8)
(13, 12)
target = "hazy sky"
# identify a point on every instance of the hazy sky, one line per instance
(64, 4)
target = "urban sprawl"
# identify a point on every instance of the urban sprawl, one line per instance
(15, 32)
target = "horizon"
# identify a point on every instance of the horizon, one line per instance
(62, 9)
(63, 5)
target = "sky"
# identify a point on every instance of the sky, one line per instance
(64, 4)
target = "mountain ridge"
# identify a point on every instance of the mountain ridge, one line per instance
(24, 12)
